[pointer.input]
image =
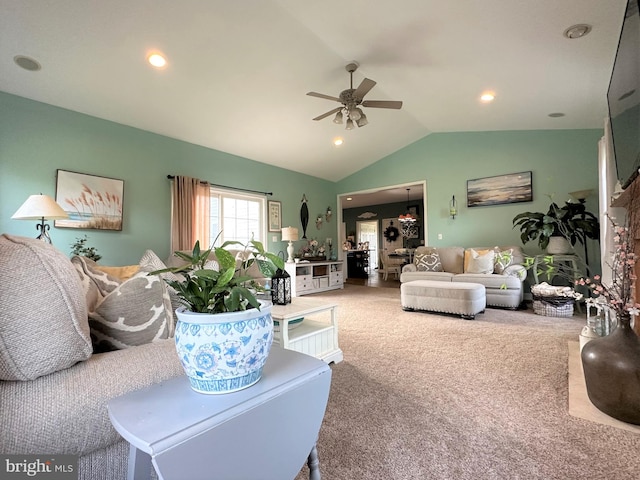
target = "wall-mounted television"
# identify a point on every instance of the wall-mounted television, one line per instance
(623, 97)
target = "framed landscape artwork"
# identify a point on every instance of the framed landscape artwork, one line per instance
(92, 202)
(510, 188)
(275, 216)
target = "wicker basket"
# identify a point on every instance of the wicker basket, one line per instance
(553, 306)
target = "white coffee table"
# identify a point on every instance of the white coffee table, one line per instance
(263, 432)
(316, 335)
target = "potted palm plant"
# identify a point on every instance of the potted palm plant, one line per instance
(224, 333)
(560, 228)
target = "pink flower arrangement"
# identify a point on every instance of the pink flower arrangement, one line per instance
(619, 295)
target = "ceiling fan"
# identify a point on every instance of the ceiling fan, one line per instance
(351, 100)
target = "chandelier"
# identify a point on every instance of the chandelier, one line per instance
(407, 218)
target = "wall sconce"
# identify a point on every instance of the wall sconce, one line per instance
(319, 222)
(453, 207)
(328, 215)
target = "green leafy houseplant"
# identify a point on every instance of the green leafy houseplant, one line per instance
(228, 289)
(80, 248)
(571, 221)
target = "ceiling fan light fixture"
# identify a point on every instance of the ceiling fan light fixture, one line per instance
(351, 99)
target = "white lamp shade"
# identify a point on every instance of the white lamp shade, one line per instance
(290, 234)
(40, 206)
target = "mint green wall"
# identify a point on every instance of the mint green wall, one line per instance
(562, 161)
(37, 139)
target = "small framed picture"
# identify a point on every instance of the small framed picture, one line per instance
(275, 216)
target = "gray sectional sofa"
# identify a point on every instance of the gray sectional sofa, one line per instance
(503, 283)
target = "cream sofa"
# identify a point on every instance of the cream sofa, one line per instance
(504, 289)
(54, 389)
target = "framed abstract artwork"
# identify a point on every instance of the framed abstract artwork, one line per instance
(510, 188)
(275, 216)
(92, 202)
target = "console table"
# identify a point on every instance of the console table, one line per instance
(265, 431)
(560, 263)
(315, 276)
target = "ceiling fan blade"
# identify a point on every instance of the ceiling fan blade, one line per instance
(322, 95)
(330, 112)
(365, 86)
(383, 104)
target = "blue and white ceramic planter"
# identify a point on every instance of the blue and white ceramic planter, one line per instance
(224, 352)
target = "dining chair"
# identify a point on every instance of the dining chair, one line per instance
(392, 265)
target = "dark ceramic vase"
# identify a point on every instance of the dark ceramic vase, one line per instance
(612, 372)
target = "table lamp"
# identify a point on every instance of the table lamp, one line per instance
(40, 207)
(290, 234)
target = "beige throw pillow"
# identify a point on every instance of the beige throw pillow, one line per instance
(43, 314)
(123, 273)
(480, 262)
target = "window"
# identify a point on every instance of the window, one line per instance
(238, 216)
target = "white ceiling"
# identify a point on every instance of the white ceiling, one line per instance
(239, 71)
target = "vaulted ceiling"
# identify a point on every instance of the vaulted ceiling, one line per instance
(238, 71)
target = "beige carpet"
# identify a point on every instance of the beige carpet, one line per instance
(422, 396)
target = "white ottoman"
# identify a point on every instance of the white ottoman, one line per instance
(460, 298)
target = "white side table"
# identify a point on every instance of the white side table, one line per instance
(264, 432)
(570, 261)
(315, 336)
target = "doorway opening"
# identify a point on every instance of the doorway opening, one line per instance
(368, 232)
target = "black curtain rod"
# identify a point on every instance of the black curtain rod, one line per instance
(171, 177)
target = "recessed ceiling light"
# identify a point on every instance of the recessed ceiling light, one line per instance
(487, 97)
(349, 199)
(556, 115)
(337, 141)
(157, 60)
(27, 63)
(577, 31)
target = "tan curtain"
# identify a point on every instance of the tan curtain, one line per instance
(189, 213)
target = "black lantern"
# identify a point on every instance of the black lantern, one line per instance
(281, 288)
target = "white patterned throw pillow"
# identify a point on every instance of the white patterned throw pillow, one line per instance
(502, 260)
(481, 262)
(428, 262)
